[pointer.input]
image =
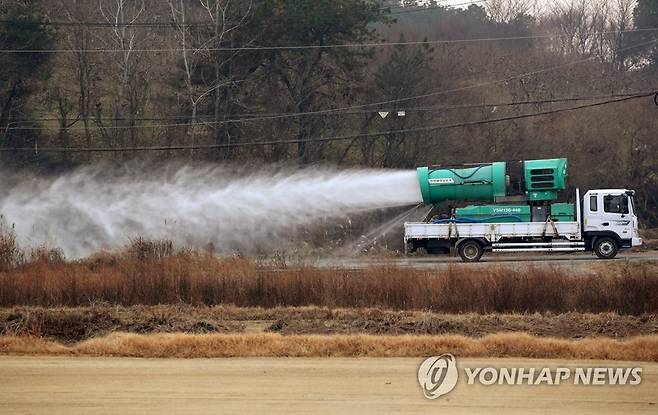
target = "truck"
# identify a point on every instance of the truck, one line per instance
(523, 214)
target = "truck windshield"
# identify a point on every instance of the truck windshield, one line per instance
(615, 204)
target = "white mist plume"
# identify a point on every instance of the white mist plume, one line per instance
(233, 208)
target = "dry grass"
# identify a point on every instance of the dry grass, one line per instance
(205, 279)
(650, 239)
(275, 345)
(10, 253)
(145, 249)
(74, 324)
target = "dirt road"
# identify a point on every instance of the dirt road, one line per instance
(89, 386)
(578, 262)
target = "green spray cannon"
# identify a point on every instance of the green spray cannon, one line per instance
(533, 181)
(483, 183)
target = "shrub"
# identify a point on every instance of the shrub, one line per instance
(10, 253)
(625, 288)
(145, 249)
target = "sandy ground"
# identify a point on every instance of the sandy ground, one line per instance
(90, 386)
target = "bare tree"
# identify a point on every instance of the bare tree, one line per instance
(78, 38)
(593, 29)
(189, 56)
(131, 74)
(580, 24)
(226, 18)
(621, 21)
(504, 11)
(65, 107)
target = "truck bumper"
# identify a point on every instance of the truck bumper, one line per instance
(637, 242)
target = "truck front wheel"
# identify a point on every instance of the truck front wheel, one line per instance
(470, 251)
(606, 248)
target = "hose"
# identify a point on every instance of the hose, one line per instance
(465, 177)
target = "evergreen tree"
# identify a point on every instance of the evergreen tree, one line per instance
(21, 72)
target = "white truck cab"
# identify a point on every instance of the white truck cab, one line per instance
(610, 221)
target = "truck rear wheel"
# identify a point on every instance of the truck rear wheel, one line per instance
(470, 251)
(606, 248)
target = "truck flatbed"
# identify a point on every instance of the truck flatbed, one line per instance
(493, 232)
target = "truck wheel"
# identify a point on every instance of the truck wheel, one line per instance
(606, 248)
(470, 251)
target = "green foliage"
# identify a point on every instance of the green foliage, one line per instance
(407, 72)
(318, 22)
(404, 71)
(310, 78)
(21, 71)
(20, 32)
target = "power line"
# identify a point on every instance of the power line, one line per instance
(427, 95)
(516, 103)
(325, 139)
(331, 46)
(459, 89)
(259, 116)
(481, 84)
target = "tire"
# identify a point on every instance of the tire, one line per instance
(471, 251)
(411, 248)
(606, 248)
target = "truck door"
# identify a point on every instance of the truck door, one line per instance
(616, 215)
(592, 210)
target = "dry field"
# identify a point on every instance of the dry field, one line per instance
(642, 349)
(153, 301)
(142, 331)
(74, 324)
(197, 278)
(228, 331)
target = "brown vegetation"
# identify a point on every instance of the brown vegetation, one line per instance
(71, 325)
(205, 279)
(275, 345)
(649, 239)
(10, 252)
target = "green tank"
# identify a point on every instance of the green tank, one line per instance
(560, 212)
(563, 212)
(483, 183)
